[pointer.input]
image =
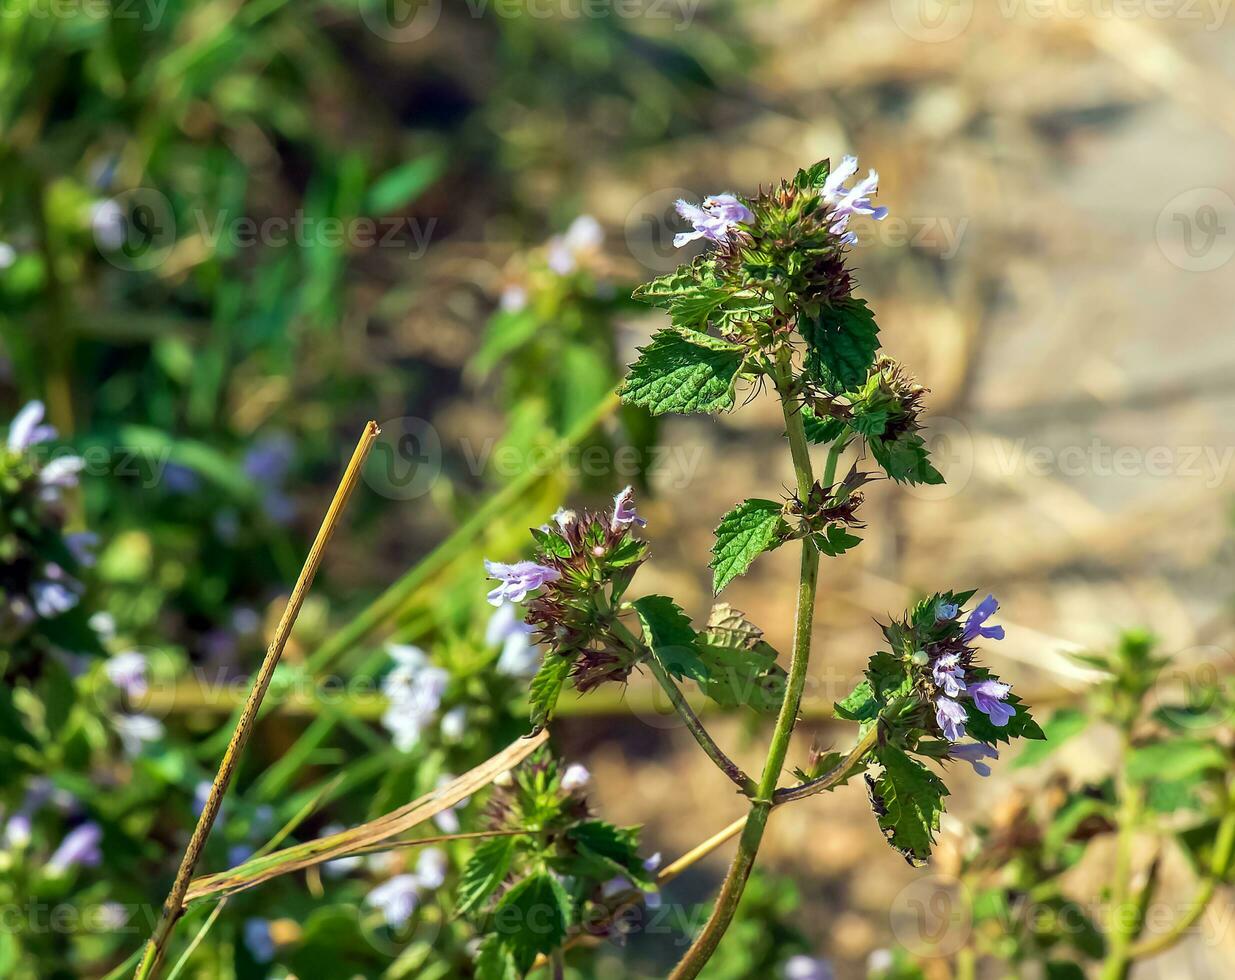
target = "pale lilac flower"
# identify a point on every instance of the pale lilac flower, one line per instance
(974, 753)
(52, 598)
(127, 671)
(18, 830)
(431, 868)
(846, 202)
(107, 221)
(8, 255)
(79, 847)
(397, 899)
(946, 610)
(949, 675)
(414, 689)
(624, 511)
(266, 463)
(60, 474)
(714, 220)
(575, 777)
(103, 623)
(81, 545)
(517, 580)
(989, 696)
(136, 730)
(453, 725)
(951, 716)
(584, 235)
(802, 967)
(563, 517)
(257, 937)
(27, 428)
(973, 625)
(513, 298)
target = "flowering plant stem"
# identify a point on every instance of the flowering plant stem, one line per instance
(748, 845)
(173, 906)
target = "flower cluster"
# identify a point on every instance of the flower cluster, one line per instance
(583, 566)
(38, 559)
(414, 690)
(397, 898)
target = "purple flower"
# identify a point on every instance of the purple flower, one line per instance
(27, 428)
(414, 689)
(945, 611)
(989, 696)
(127, 671)
(431, 868)
(18, 830)
(519, 657)
(257, 937)
(575, 777)
(266, 464)
(52, 598)
(79, 847)
(973, 625)
(714, 220)
(517, 580)
(81, 545)
(453, 725)
(847, 202)
(584, 235)
(807, 968)
(949, 675)
(397, 899)
(60, 474)
(624, 511)
(974, 753)
(951, 716)
(136, 730)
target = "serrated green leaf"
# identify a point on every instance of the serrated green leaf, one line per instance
(741, 666)
(1063, 725)
(495, 961)
(834, 540)
(913, 800)
(674, 374)
(751, 528)
(669, 635)
(859, 705)
(546, 687)
(617, 848)
(821, 430)
(841, 343)
(532, 918)
(485, 872)
(905, 459)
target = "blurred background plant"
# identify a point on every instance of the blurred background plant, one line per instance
(232, 231)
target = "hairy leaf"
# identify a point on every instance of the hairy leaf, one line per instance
(905, 459)
(532, 918)
(741, 665)
(751, 528)
(485, 872)
(841, 343)
(669, 635)
(821, 429)
(546, 686)
(912, 798)
(495, 961)
(674, 374)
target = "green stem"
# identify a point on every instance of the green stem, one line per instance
(1219, 861)
(748, 846)
(1122, 927)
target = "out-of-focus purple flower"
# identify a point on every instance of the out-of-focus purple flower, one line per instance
(951, 716)
(52, 598)
(81, 545)
(802, 967)
(414, 689)
(257, 937)
(714, 220)
(513, 298)
(127, 671)
(136, 730)
(584, 235)
(397, 899)
(973, 625)
(989, 696)
(27, 428)
(575, 777)
(266, 463)
(107, 222)
(453, 724)
(517, 580)
(80, 847)
(949, 675)
(847, 202)
(60, 474)
(8, 255)
(181, 479)
(431, 868)
(624, 511)
(18, 830)
(974, 753)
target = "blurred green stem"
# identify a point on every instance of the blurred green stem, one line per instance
(748, 845)
(1123, 922)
